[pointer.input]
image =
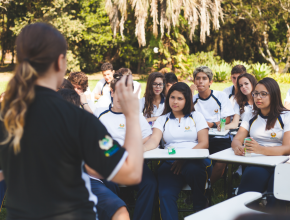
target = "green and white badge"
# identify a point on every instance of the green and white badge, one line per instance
(106, 143)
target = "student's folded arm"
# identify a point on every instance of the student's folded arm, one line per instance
(202, 137)
(234, 124)
(284, 149)
(152, 119)
(154, 140)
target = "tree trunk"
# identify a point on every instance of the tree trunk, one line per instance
(221, 44)
(3, 41)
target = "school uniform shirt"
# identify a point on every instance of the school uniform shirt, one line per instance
(287, 99)
(247, 108)
(216, 106)
(102, 87)
(115, 123)
(46, 180)
(181, 134)
(230, 91)
(157, 110)
(256, 126)
(136, 86)
(91, 99)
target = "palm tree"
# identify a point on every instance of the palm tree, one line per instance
(195, 12)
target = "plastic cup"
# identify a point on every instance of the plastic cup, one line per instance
(247, 154)
(223, 124)
(171, 150)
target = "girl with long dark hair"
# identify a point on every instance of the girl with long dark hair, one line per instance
(152, 104)
(46, 141)
(269, 131)
(183, 128)
(244, 100)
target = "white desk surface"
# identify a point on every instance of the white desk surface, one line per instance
(228, 155)
(180, 154)
(229, 209)
(215, 132)
(234, 132)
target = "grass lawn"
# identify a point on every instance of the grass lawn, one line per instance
(218, 192)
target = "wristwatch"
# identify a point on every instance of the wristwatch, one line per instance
(83, 104)
(214, 125)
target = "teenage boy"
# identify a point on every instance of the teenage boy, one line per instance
(213, 105)
(103, 86)
(170, 79)
(79, 80)
(230, 91)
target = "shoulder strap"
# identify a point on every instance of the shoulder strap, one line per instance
(103, 87)
(252, 121)
(280, 121)
(167, 119)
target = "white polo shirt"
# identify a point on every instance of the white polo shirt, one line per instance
(230, 91)
(157, 110)
(181, 134)
(256, 125)
(247, 108)
(102, 87)
(116, 124)
(214, 107)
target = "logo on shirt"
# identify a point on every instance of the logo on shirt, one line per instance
(112, 151)
(216, 111)
(121, 126)
(273, 135)
(187, 129)
(106, 143)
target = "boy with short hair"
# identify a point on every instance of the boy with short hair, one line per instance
(213, 105)
(103, 86)
(170, 79)
(79, 80)
(230, 91)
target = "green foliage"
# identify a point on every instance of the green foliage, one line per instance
(246, 65)
(261, 71)
(222, 72)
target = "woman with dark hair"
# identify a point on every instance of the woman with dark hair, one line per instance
(246, 84)
(182, 128)
(152, 104)
(244, 100)
(46, 141)
(269, 131)
(114, 120)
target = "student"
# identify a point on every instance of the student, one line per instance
(213, 105)
(287, 100)
(80, 82)
(103, 86)
(170, 79)
(152, 104)
(52, 139)
(244, 100)
(232, 90)
(114, 120)
(269, 131)
(183, 128)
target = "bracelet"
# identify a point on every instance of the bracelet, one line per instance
(84, 104)
(214, 125)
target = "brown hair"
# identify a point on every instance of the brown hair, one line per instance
(107, 66)
(79, 78)
(238, 69)
(66, 85)
(149, 94)
(71, 96)
(276, 106)
(118, 75)
(38, 46)
(240, 97)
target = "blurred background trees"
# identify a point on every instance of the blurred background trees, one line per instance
(188, 33)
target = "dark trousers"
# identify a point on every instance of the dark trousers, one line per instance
(259, 179)
(108, 200)
(194, 173)
(145, 196)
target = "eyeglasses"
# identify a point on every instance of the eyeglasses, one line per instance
(261, 94)
(155, 85)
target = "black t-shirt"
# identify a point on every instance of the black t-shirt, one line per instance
(46, 179)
